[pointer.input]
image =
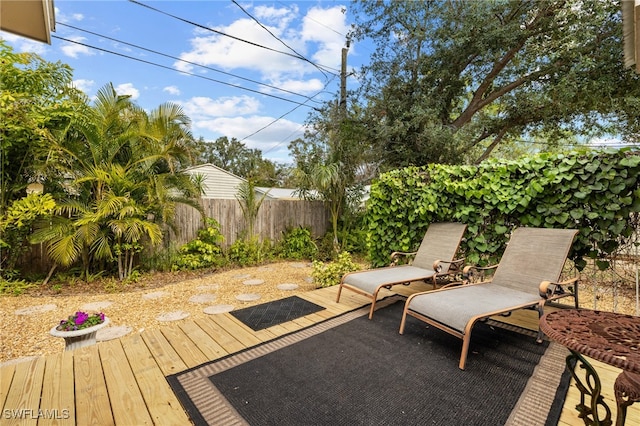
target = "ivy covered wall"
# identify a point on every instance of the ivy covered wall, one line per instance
(596, 192)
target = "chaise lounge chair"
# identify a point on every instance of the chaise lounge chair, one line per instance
(434, 258)
(526, 277)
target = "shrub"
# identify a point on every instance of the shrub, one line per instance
(329, 274)
(297, 243)
(203, 252)
(597, 192)
(161, 260)
(16, 226)
(14, 287)
(246, 252)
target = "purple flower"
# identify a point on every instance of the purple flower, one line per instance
(81, 320)
(81, 317)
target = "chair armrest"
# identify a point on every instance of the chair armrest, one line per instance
(552, 290)
(396, 255)
(472, 272)
(454, 265)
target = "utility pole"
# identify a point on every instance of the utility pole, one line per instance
(343, 79)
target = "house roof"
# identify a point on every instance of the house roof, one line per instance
(32, 19)
(279, 193)
(220, 183)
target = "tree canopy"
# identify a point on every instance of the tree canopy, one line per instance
(37, 102)
(452, 80)
(235, 157)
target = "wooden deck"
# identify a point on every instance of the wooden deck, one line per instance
(122, 382)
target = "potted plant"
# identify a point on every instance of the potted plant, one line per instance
(79, 329)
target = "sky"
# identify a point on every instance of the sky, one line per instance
(234, 66)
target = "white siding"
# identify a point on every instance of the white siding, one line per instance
(218, 183)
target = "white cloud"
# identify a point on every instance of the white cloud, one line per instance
(319, 39)
(127, 89)
(305, 87)
(84, 85)
(277, 16)
(172, 90)
(73, 49)
(326, 27)
(23, 44)
(203, 107)
(68, 18)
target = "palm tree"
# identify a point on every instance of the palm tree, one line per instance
(123, 180)
(250, 204)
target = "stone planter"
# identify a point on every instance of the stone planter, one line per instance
(79, 338)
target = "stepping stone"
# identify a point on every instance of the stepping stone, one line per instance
(253, 282)
(203, 298)
(287, 286)
(35, 309)
(242, 276)
(110, 333)
(96, 306)
(248, 297)
(309, 280)
(154, 295)
(218, 309)
(172, 316)
(299, 265)
(212, 287)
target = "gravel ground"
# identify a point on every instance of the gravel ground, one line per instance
(27, 319)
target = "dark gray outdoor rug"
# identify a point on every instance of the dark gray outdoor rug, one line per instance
(269, 314)
(353, 371)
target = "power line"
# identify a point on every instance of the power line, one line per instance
(326, 68)
(185, 61)
(280, 118)
(278, 38)
(182, 72)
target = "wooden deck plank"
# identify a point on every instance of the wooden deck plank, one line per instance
(185, 347)
(57, 394)
(161, 402)
(304, 321)
(6, 377)
(209, 347)
(282, 329)
(607, 375)
(238, 330)
(332, 308)
(127, 403)
(23, 398)
(92, 399)
(135, 368)
(220, 335)
(167, 358)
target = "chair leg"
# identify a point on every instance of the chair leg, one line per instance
(404, 318)
(540, 310)
(339, 292)
(466, 340)
(373, 302)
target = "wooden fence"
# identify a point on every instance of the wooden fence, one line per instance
(274, 217)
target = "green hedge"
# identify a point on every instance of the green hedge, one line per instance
(596, 192)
